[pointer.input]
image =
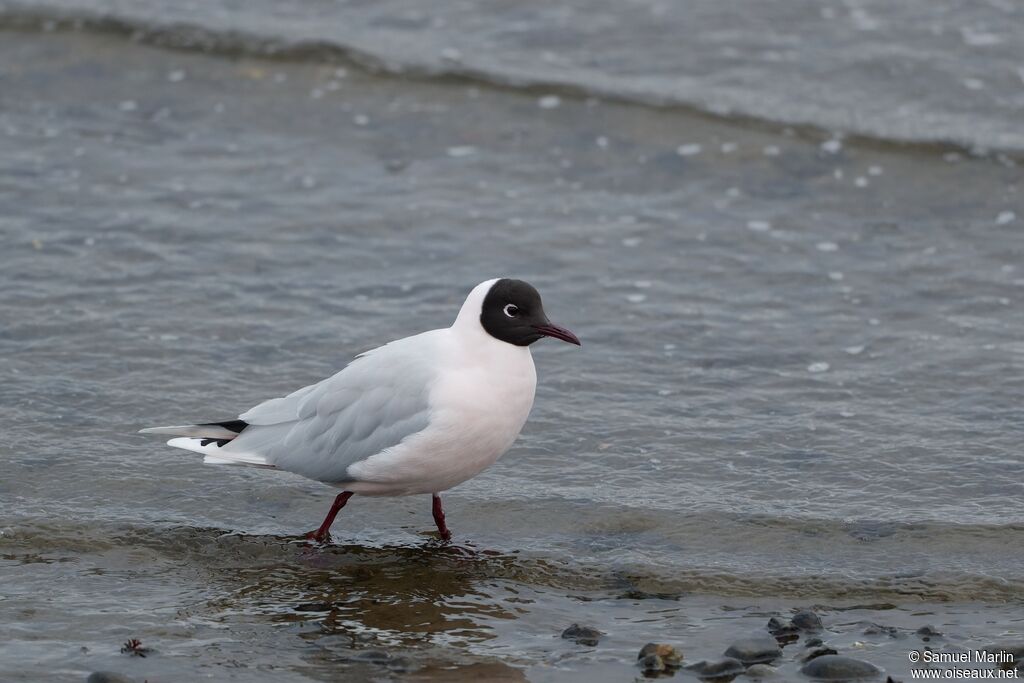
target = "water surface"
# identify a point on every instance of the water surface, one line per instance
(798, 387)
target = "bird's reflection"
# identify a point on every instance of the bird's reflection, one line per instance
(402, 595)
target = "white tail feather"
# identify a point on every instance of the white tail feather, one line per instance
(217, 455)
(200, 431)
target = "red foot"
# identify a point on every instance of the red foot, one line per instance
(322, 535)
(317, 537)
(442, 528)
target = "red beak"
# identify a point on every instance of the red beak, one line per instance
(551, 330)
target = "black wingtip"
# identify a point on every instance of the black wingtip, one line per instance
(234, 425)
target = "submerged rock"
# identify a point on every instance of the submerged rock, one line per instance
(817, 652)
(839, 668)
(108, 677)
(652, 664)
(808, 621)
(783, 631)
(761, 671)
(756, 649)
(583, 635)
(726, 667)
(384, 658)
(928, 632)
(872, 629)
(671, 657)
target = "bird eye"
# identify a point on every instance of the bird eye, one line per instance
(511, 310)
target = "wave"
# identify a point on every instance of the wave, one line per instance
(362, 49)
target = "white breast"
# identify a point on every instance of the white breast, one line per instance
(482, 396)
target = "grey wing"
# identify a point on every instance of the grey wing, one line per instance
(375, 403)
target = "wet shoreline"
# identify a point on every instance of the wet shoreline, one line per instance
(366, 610)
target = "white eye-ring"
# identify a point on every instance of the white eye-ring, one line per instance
(511, 310)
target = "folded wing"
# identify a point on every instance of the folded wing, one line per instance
(375, 403)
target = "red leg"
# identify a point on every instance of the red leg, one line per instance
(322, 535)
(442, 528)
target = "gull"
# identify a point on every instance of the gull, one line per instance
(415, 416)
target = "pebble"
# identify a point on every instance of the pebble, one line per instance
(755, 649)
(872, 629)
(806, 620)
(668, 655)
(761, 671)
(783, 631)
(928, 632)
(817, 652)
(725, 667)
(383, 658)
(108, 677)
(652, 664)
(839, 668)
(583, 635)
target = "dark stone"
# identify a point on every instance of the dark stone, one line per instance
(784, 631)
(314, 607)
(726, 667)
(108, 677)
(839, 668)
(671, 657)
(890, 679)
(808, 621)
(756, 649)
(383, 658)
(637, 594)
(652, 664)
(872, 629)
(817, 652)
(814, 642)
(583, 635)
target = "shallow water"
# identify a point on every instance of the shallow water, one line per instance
(799, 383)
